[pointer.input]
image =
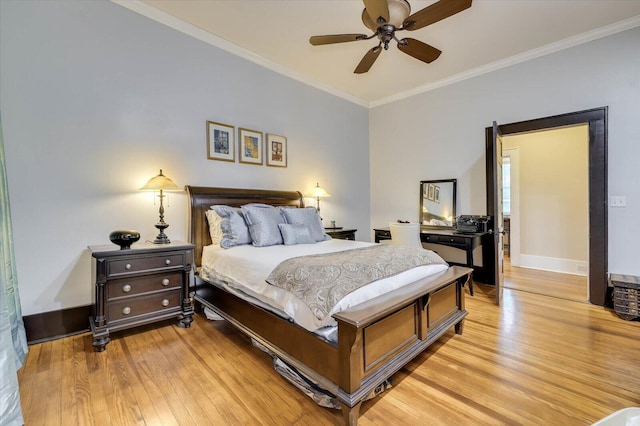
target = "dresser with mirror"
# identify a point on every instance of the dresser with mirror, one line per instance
(437, 217)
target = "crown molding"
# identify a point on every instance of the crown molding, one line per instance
(586, 37)
(198, 33)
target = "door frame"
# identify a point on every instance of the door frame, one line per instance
(497, 224)
(597, 119)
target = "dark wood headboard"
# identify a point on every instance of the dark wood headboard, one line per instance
(202, 198)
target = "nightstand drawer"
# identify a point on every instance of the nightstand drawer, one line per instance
(341, 234)
(145, 263)
(383, 234)
(134, 286)
(129, 308)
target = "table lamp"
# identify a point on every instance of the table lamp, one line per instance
(161, 183)
(319, 192)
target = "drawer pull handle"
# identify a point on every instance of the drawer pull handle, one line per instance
(126, 288)
(126, 310)
(165, 282)
(165, 302)
(127, 266)
(167, 262)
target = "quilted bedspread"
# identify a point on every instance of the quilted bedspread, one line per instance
(321, 280)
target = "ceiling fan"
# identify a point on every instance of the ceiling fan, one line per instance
(385, 17)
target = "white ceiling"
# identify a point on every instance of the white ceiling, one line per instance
(491, 34)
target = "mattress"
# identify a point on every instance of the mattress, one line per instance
(244, 269)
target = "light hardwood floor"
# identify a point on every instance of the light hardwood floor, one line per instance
(554, 284)
(535, 360)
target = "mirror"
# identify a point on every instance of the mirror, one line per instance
(438, 203)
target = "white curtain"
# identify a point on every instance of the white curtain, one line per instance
(13, 341)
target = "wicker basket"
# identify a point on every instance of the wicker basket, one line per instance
(626, 296)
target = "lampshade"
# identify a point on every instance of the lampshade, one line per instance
(160, 182)
(320, 192)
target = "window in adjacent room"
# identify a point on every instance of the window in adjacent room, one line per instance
(506, 186)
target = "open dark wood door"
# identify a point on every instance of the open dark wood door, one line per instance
(498, 220)
(599, 292)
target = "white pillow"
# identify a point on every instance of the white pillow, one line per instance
(214, 227)
(233, 227)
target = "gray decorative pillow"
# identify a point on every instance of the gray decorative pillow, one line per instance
(295, 234)
(235, 231)
(263, 221)
(307, 216)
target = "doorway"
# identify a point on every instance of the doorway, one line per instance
(596, 119)
(546, 224)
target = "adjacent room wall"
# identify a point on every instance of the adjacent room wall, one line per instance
(440, 134)
(95, 99)
(553, 193)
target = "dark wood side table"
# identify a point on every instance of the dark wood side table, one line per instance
(342, 234)
(466, 242)
(146, 283)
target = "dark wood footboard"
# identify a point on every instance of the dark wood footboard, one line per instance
(375, 339)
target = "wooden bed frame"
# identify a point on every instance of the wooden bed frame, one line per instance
(375, 338)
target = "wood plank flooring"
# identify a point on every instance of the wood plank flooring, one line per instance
(554, 284)
(535, 360)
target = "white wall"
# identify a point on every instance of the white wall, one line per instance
(440, 134)
(96, 98)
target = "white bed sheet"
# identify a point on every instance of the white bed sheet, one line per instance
(246, 268)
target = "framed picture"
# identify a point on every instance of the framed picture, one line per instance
(436, 194)
(250, 146)
(221, 143)
(276, 151)
(432, 189)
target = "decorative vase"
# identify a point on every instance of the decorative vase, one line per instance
(124, 238)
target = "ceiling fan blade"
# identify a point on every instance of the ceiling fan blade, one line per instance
(434, 13)
(368, 60)
(419, 50)
(337, 38)
(377, 9)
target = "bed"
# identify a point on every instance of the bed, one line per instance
(375, 338)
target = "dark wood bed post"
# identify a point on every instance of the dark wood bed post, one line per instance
(351, 363)
(462, 281)
(351, 414)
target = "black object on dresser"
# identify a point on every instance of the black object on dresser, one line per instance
(147, 283)
(342, 234)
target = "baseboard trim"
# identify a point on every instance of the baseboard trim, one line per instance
(565, 266)
(56, 324)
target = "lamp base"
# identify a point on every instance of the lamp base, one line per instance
(161, 238)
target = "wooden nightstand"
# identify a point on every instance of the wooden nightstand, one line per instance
(342, 234)
(146, 283)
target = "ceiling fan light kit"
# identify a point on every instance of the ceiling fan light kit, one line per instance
(399, 10)
(385, 17)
